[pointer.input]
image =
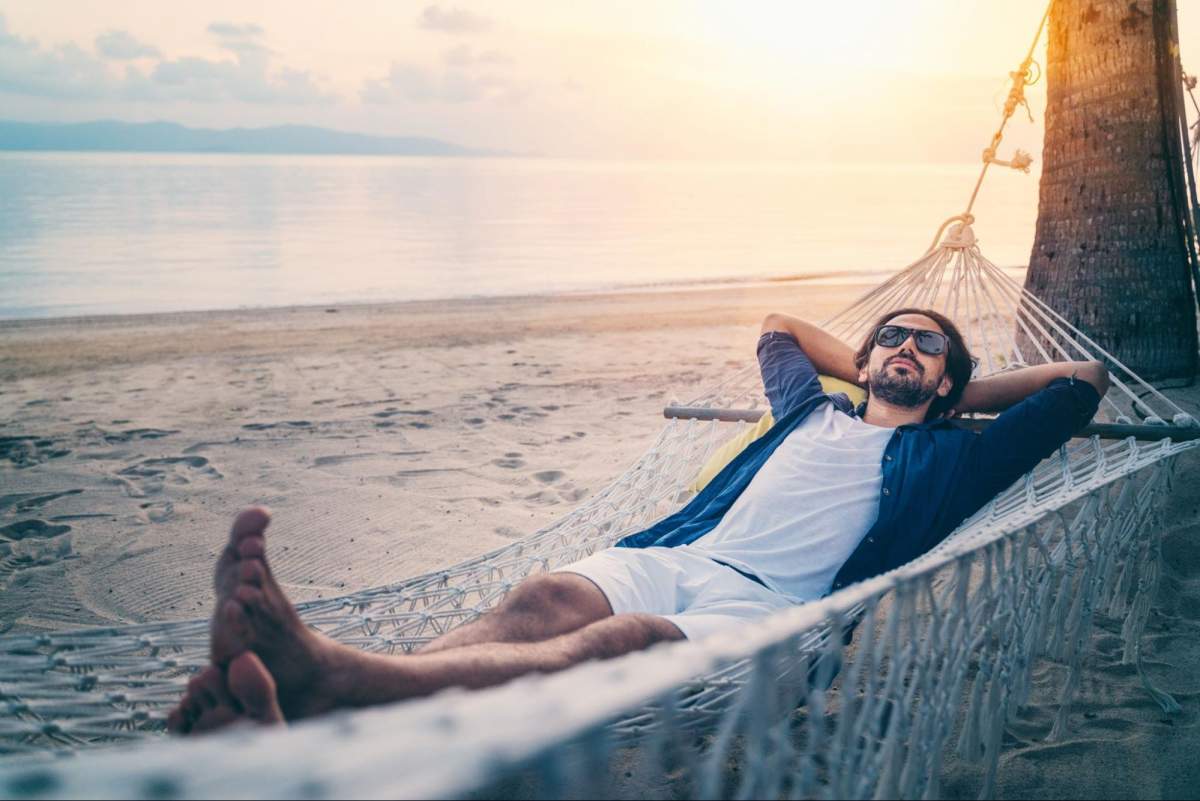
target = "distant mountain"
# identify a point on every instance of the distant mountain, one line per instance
(168, 137)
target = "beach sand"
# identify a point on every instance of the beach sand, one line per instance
(390, 440)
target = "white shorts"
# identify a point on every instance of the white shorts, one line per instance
(689, 589)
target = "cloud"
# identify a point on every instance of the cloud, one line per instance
(407, 82)
(122, 46)
(453, 20)
(465, 75)
(465, 56)
(244, 41)
(211, 81)
(68, 71)
(228, 30)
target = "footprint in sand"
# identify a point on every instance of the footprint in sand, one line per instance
(282, 424)
(27, 451)
(549, 476)
(572, 493)
(474, 421)
(31, 543)
(31, 529)
(392, 412)
(149, 476)
(511, 460)
(22, 502)
(543, 497)
(159, 512)
(138, 433)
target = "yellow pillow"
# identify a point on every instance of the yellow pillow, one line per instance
(726, 453)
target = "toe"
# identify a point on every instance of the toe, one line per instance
(249, 596)
(209, 685)
(252, 572)
(231, 632)
(250, 522)
(178, 720)
(252, 547)
(233, 613)
(252, 685)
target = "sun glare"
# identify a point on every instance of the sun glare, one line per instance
(777, 45)
(812, 32)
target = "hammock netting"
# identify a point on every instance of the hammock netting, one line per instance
(939, 653)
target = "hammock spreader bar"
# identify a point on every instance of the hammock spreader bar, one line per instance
(1145, 433)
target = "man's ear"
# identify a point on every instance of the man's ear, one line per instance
(862, 375)
(944, 388)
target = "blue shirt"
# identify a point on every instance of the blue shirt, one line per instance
(935, 474)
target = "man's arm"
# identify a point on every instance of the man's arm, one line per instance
(830, 355)
(999, 392)
(1032, 427)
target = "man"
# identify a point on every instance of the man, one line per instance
(829, 496)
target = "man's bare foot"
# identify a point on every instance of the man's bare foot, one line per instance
(254, 615)
(213, 701)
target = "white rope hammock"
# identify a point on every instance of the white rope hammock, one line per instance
(940, 659)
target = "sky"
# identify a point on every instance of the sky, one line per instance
(796, 80)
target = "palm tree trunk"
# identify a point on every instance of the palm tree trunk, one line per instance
(1112, 251)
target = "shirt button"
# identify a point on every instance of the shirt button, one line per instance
(888, 458)
(886, 491)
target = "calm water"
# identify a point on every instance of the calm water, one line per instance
(120, 233)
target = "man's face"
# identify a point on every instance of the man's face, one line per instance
(903, 375)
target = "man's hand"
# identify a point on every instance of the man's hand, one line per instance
(998, 392)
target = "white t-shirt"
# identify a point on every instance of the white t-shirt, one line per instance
(807, 508)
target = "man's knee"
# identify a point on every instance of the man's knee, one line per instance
(564, 596)
(622, 634)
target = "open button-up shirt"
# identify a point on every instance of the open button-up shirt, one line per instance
(935, 474)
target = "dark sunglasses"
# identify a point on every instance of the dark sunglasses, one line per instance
(930, 343)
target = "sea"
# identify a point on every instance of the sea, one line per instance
(127, 233)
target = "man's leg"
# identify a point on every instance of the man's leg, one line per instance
(315, 674)
(540, 608)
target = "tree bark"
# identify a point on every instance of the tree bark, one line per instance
(1111, 253)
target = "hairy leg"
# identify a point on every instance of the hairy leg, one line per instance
(314, 674)
(380, 679)
(540, 608)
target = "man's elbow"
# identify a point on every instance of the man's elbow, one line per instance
(1096, 374)
(774, 322)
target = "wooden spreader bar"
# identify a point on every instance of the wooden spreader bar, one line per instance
(1102, 430)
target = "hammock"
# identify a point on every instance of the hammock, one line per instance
(944, 645)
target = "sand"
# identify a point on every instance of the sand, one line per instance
(393, 439)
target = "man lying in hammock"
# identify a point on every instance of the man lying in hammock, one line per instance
(829, 496)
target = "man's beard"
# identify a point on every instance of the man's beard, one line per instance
(907, 390)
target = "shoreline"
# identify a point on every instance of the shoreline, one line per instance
(41, 347)
(840, 278)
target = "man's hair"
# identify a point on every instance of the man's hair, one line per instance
(959, 363)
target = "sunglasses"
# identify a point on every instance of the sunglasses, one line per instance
(930, 343)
